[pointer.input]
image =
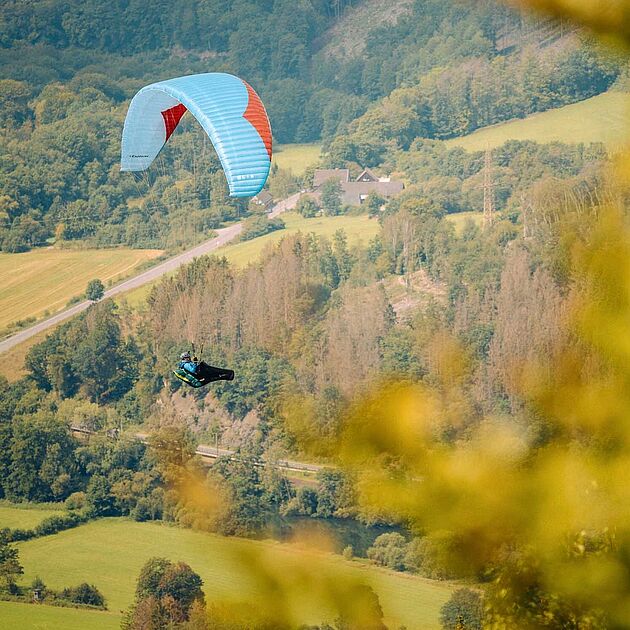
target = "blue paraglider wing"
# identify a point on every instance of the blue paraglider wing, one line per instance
(227, 108)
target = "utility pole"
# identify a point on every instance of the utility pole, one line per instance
(526, 211)
(488, 191)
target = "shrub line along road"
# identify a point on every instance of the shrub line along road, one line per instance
(224, 236)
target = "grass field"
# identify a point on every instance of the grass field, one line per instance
(33, 617)
(12, 362)
(45, 279)
(357, 228)
(460, 219)
(603, 118)
(110, 552)
(26, 516)
(296, 157)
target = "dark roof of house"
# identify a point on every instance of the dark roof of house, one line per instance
(367, 175)
(323, 175)
(353, 193)
(264, 197)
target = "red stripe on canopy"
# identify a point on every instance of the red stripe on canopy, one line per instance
(172, 116)
(257, 116)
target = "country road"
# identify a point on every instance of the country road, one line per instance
(225, 235)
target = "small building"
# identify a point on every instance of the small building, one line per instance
(354, 193)
(264, 199)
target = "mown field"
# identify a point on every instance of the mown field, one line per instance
(602, 118)
(25, 516)
(296, 157)
(357, 228)
(14, 616)
(110, 552)
(43, 280)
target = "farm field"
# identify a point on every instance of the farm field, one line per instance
(296, 157)
(45, 279)
(13, 369)
(357, 228)
(602, 118)
(110, 552)
(27, 516)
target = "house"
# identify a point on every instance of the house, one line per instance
(264, 199)
(324, 174)
(354, 193)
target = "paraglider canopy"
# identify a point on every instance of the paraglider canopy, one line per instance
(228, 109)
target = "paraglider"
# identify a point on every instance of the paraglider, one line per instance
(198, 373)
(228, 109)
(234, 117)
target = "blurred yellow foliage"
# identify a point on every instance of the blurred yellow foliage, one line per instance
(609, 17)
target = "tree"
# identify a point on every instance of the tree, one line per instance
(463, 611)
(389, 550)
(10, 567)
(84, 594)
(331, 197)
(43, 461)
(374, 203)
(165, 594)
(307, 206)
(95, 290)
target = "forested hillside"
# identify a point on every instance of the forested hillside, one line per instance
(434, 70)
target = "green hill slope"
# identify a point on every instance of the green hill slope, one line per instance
(603, 118)
(110, 552)
(35, 617)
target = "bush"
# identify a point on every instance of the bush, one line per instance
(389, 550)
(307, 206)
(54, 524)
(348, 552)
(13, 535)
(85, 593)
(50, 525)
(258, 226)
(304, 503)
(75, 299)
(430, 556)
(76, 501)
(463, 611)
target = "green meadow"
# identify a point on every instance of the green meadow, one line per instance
(357, 228)
(26, 516)
(110, 552)
(296, 157)
(602, 118)
(14, 616)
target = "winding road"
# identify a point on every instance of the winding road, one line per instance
(224, 236)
